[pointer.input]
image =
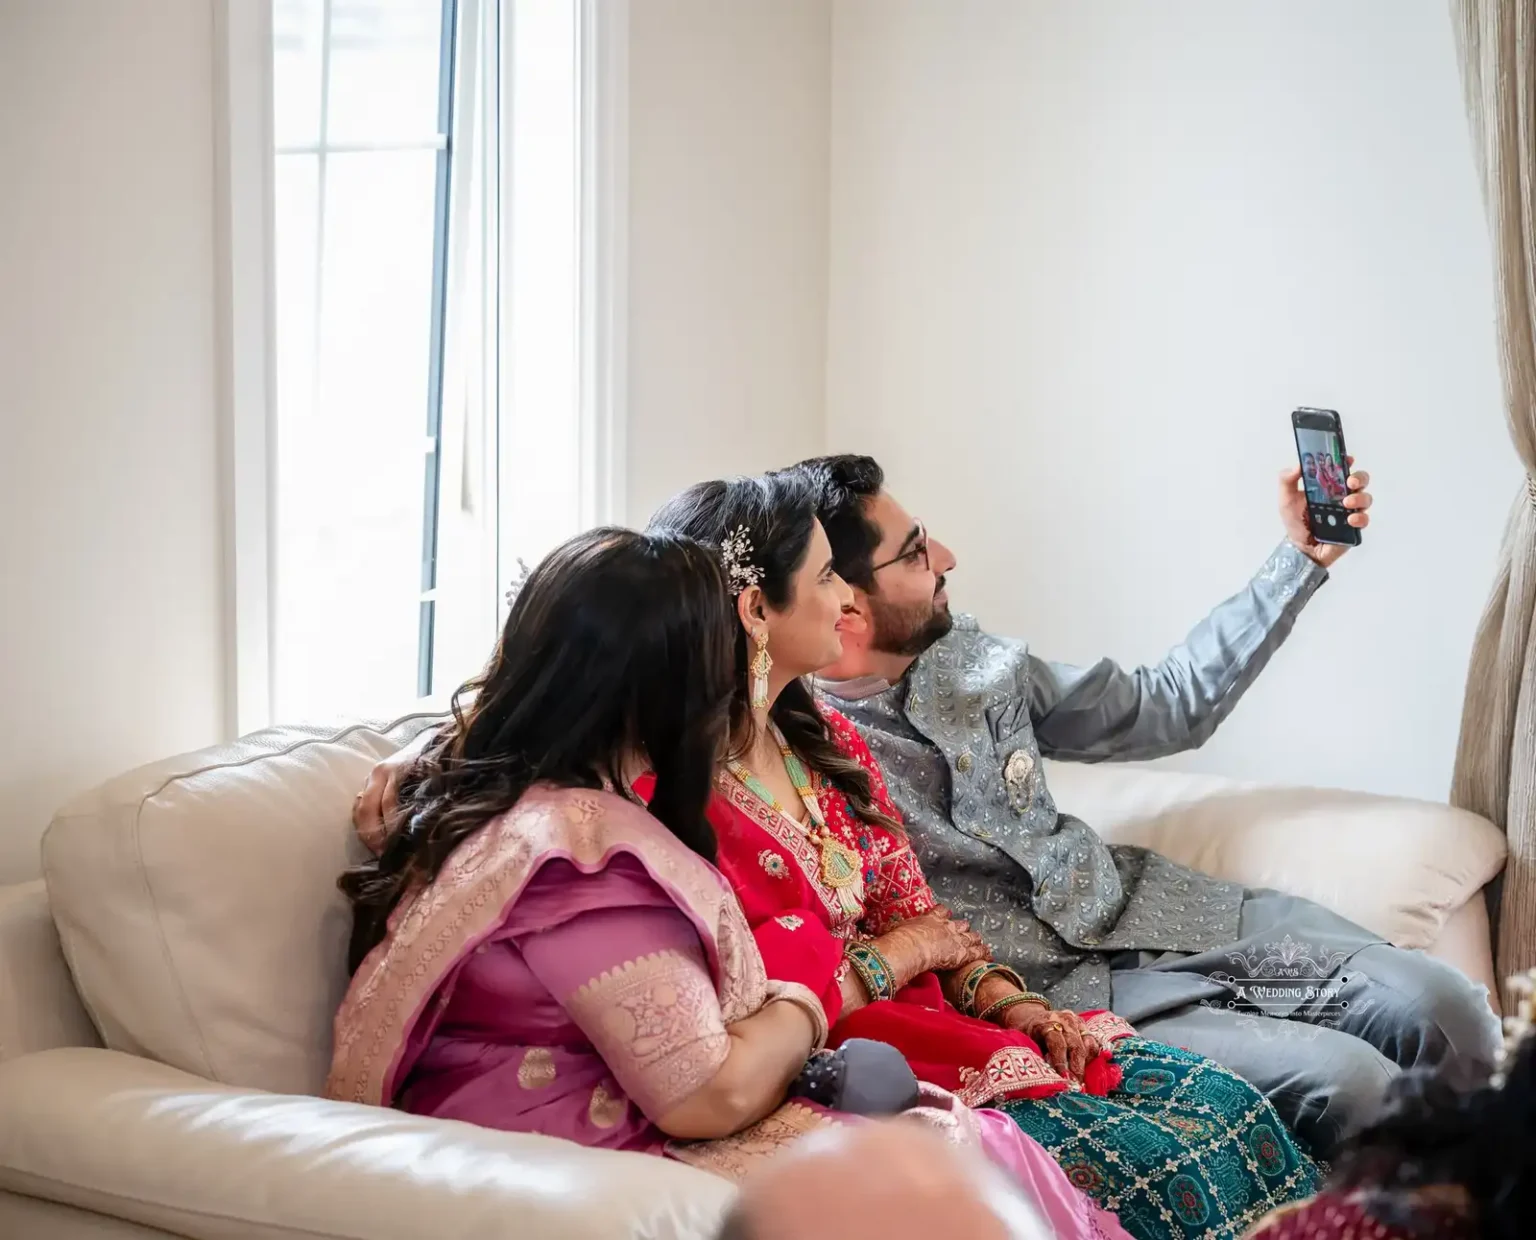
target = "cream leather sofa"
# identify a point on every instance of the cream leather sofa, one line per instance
(166, 999)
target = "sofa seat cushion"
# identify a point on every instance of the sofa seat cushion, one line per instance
(197, 907)
(120, 1136)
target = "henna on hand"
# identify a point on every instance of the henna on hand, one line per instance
(934, 942)
(1060, 1034)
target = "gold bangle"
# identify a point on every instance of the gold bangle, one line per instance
(1013, 1000)
(977, 975)
(969, 985)
(1002, 970)
(804, 998)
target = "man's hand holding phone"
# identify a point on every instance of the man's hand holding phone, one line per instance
(1293, 512)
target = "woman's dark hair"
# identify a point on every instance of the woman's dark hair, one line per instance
(619, 643)
(778, 512)
(843, 487)
(1432, 1134)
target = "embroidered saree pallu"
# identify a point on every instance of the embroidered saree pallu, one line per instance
(571, 969)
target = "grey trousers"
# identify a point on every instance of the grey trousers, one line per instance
(1317, 1013)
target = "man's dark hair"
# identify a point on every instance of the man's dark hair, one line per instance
(844, 487)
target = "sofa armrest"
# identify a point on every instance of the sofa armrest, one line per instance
(138, 1140)
(1395, 866)
(39, 1009)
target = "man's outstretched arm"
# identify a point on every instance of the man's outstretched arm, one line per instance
(1105, 713)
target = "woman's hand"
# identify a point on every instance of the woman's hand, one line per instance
(932, 943)
(767, 1051)
(375, 805)
(1060, 1034)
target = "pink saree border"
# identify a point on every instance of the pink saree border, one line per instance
(433, 929)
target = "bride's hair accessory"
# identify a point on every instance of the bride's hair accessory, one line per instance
(736, 557)
(518, 582)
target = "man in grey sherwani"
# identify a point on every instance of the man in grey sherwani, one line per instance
(960, 719)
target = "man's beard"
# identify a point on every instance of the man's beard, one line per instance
(910, 630)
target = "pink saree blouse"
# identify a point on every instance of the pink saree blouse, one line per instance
(571, 971)
(587, 1014)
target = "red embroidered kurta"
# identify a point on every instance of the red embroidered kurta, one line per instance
(801, 926)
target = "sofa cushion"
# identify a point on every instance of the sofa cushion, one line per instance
(1396, 866)
(196, 899)
(39, 1006)
(197, 906)
(120, 1136)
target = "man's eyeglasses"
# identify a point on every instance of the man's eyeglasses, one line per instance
(917, 553)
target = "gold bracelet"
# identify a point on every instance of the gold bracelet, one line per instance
(804, 998)
(979, 974)
(969, 985)
(1013, 1000)
(1002, 970)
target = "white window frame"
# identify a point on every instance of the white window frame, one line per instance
(246, 335)
(604, 259)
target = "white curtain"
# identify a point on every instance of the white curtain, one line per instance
(1496, 758)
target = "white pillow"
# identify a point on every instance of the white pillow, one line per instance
(197, 906)
(1395, 866)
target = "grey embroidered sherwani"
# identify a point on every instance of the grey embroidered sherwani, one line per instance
(960, 741)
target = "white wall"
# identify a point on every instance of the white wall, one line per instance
(1058, 271)
(110, 633)
(1084, 261)
(728, 132)
(111, 638)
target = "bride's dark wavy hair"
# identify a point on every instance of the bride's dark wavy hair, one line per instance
(778, 512)
(1434, 1133)
(619, 643)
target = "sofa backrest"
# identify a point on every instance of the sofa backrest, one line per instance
(197, 907)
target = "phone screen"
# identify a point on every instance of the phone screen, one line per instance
(1323, 471)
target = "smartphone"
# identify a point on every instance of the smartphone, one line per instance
(1324, 474)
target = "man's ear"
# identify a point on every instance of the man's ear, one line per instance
(858, 618)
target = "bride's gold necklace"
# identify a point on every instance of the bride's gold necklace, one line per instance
(841, 867)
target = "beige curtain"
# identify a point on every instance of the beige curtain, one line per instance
(1496, 758)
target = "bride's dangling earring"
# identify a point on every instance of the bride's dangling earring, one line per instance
(757, 671)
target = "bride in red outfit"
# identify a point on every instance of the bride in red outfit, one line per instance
(815, 851)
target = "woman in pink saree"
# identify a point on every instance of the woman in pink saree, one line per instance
(535, 950)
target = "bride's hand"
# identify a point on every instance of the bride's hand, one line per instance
(934, 942)
(1061, 1034)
